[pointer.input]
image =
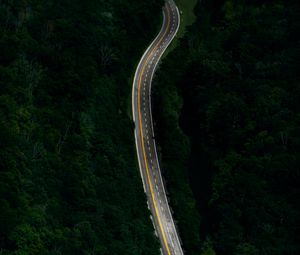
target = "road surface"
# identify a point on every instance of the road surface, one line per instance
(144, 133)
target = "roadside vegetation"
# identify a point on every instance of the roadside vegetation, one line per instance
(227, 121)
(187, 18)
(69, 183)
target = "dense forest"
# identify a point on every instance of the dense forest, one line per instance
(69, 181)
(228, 124)
(226, 110)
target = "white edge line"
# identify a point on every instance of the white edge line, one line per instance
(153, 128)
(133, 98)
(142, 58)
(133, 112)
(133, 116)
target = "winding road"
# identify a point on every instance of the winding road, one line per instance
(144, 133)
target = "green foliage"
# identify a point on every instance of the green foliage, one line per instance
(69, 182)
(246, 249)
(238, 119)
(174, 147)
(207, 248)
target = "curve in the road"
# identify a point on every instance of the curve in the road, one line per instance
(147, 155)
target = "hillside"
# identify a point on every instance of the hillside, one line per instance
(69, 181)
(227, 121)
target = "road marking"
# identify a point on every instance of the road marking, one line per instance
(172, 243)
(168, 230)
(143, 147)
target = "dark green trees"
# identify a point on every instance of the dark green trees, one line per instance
(68, 179)
(238, 81)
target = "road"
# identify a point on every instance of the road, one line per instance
(144, 133)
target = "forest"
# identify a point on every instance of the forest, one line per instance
(69, 180)
(227, 121)
(226, 109)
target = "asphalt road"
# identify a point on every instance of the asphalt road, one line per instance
(144, 133)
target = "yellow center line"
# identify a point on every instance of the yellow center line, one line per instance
(143, 143)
